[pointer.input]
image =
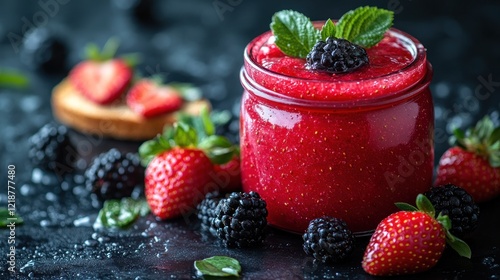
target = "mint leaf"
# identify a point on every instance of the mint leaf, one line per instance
(220, 266)
(364, 26)
(294, 33)
(120, 213)
(328, 30)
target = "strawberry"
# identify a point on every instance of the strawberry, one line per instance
(101, 82)
(474, 163)
(180, 165)
(102, 78)
(148, 98)
(410, 241)
(175, 181)
(228, 175)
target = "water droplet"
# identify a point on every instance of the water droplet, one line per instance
(90, 243)
(50, 196)
(45, 223)
(30, 104)
(27, 189)
(103, 239)
(442, 90)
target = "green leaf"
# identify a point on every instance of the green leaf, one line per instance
(444, 220)
(92, 52)
(109, 49)
(149, 149)
(185, 135)
(220, 266)
(458, 245)
(405, 206)
(294, 33)
(121, 213)
(484, 128)
(131, 59)
(218, 148)
(328, 30)
(364, 26)
(188, 92)
(6, 218)
(13, 79)
(425, 205)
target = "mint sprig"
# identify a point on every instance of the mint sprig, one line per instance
(295, 35)
(6, 218)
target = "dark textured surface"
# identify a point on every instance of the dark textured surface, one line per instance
(192, 41)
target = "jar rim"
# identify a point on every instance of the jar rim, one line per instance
(419, 65)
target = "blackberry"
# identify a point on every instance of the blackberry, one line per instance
(43, 50)
(51, 149)
(336, 56)
(241, 220)
(328, 240)
(207, 210)
(458, 205)
(113, 175)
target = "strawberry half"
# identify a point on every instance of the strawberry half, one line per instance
(180, 165)
(148, 98)
(101, 81)
(101, 77)
(474, 163)
(410, 241)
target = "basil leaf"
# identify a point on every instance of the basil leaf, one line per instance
(294, 33)
(364, 26)
(220, 266)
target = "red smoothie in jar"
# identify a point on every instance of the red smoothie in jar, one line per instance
(343, 145)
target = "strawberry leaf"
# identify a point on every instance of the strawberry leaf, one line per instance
(425, 205)
(149, 149)
(188, 92)
(7, 216)
(405, 206)
(218, 148)
(185, 135)
(458, 245)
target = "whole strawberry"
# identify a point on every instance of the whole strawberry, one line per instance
(410, 241)
(474, 163)
(180, 166)
(228, 175)
(175, 181)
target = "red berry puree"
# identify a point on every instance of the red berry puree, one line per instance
(342, 145)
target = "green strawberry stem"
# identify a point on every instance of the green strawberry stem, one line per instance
(482, 139)
(108, 51)
(424, 205)
(196, 132)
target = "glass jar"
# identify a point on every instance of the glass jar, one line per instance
(347, 148)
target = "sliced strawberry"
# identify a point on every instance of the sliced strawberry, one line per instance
(150, 99)
(101, 81)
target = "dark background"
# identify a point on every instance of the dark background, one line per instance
(202, 41)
